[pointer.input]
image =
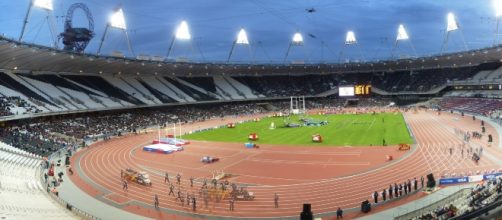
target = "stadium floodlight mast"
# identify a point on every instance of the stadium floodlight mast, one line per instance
(296, 41)
(49, 8)
(242, 39)
(402, 35)
(451, 25)
(117, 21)
(182, 33)
(350, 39)
(497, 4)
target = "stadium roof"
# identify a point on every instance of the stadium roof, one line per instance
(22, 57)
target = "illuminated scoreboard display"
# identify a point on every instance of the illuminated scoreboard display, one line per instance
(362, 90)
(356, 90)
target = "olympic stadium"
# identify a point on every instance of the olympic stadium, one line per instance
(250, 109)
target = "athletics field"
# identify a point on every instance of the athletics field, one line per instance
(341, 130)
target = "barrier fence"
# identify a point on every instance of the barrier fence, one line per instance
(468, 179)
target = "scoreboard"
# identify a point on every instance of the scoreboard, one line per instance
(362, 90)
(355, 90)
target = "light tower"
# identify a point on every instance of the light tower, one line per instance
(182, 33)
(242, 39)
(350, 39)
(117, 21)
(296, 41)
(402, 35)
(48, 7)
(451, 25)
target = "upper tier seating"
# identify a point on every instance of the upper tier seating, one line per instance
(473, 105)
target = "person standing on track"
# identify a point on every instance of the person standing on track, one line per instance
(231, 202)
(166, 178)
(215, 183)
(234, 187)
(156, 201)
(178, 179)
(384, 195)
(171, 190)
(191, 181)
(179, 196)
(188, 199)
(194, 204)
(339, 213)
(415, 184)
(396, 190)
(375, 197)
(124, 185)
(206, 199)
(276, 200)
(182, 200)
(405, 188)
(390, 191)
(400, 190)
(204, 183)
(422, 181)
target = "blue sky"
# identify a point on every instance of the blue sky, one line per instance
(270, 25)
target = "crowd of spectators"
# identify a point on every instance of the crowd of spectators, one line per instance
(42, 137)
(34, 138)
(4, 107)
(285, 86)
(403, 81)
(419, 81)
(480, 106)
(480, 196)
(13, 104)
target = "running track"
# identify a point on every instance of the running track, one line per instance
(327, 178)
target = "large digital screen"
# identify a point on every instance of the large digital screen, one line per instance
(362, 90)
(345, 91)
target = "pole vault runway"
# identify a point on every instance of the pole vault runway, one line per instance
(327, 178)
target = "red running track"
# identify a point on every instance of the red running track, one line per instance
(326, 177)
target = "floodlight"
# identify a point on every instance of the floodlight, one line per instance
(498, 7)
(452, 23)
(182, 33)
(44, 4)
(401, 33)
(351, 38)
(297, 39)
(242, 37)
(117, 20)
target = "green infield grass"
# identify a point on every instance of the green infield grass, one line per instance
(341, 130)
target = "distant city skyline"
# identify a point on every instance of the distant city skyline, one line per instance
(270, 26)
